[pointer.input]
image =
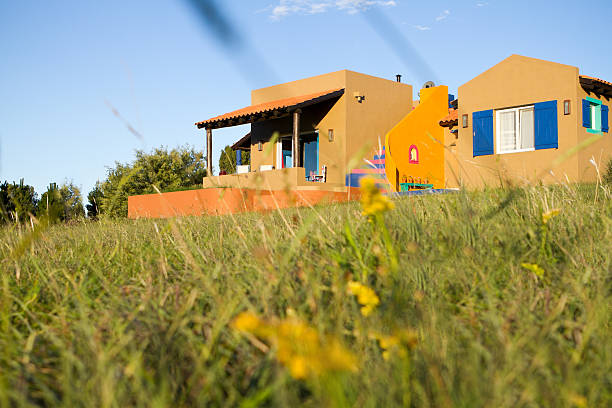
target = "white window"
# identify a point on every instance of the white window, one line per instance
(515, 131)
(596, 117)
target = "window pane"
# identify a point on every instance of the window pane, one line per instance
(507, 125)
(595, 116)
(526, 124)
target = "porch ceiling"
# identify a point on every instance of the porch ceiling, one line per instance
(269, 110)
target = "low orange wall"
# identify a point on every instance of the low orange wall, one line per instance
(219, 201)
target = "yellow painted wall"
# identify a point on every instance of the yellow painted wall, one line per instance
(419, 128)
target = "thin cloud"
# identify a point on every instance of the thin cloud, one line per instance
(422, 27)
(443, 16)
(287, 7)
(482, 4)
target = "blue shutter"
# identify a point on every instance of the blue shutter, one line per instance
(586, 113)
(545, 125)
(605, 127)
(482, 124)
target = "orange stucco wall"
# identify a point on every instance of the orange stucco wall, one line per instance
(419, 129)
(220, 201)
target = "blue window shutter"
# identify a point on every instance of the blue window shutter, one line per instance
(605, 124)
(482, 124)
(586, 113)
(545, 125)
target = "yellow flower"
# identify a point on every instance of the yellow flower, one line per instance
(299, 347)
(246, 322)
(549, 214)
(396, 344)
(535, 268)
(372, 201)
(366, 297)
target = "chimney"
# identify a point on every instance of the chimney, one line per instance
(398, 78)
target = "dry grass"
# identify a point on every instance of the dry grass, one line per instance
(137, 313)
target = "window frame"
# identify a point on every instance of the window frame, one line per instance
(517, 126)
(596, 126)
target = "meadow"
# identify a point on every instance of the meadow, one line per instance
(497, 298)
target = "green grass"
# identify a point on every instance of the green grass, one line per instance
(137, 313)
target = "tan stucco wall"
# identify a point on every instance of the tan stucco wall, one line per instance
(451, 178)
(278, 179)
(320, 117)
(514, 82)
(357, 126)
(601, 150)
(385, 104)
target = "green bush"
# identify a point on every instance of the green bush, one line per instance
(161, 170)
(607, 178)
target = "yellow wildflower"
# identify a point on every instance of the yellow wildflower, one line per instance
(549, 214)
(372, 201)
(535, 268)
(577, 400)
(398, 343)
(366, 297)
(246, 322)
(299, 347)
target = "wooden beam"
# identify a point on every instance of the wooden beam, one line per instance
(295, 148)
(209, 152)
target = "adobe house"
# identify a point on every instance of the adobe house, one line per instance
(527, 120)
(305, 128)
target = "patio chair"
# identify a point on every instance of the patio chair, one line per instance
(321, 178)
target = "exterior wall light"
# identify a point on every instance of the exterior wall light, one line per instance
(464, 121)
(566, 107)
(259, 146)
(330, 135)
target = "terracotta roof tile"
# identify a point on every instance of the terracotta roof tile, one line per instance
(451, 119)
(596, 79)
(295, 101)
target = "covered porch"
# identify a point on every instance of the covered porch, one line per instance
(283, 142)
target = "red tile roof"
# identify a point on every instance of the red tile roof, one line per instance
(451, 119)
(595, 80)
(280, 104)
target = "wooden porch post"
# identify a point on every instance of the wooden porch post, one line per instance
(295, 149)
(208, 152)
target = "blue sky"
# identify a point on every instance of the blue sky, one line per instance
(65, 63)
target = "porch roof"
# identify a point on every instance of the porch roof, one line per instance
(244, 143)
(596, 85)
(268, 110)
(451, 119)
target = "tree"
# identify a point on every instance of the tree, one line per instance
(17, 201)
(94, 198)
(227, 160)
(61, 204)
(177, 169)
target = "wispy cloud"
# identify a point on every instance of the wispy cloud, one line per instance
(443, 16)
(288, 7)
(482, 4)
